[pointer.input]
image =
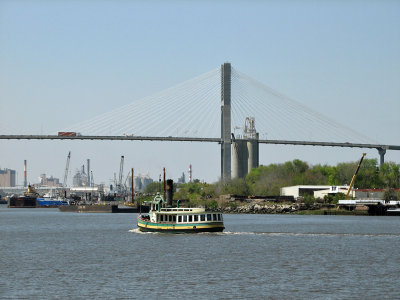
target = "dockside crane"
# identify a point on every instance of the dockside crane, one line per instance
(66, 170)
(121, 171)
(355, 175)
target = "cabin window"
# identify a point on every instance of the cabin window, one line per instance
(214, 217)
(219, 217)
(190, 218)
(184, 218)
(208, 217)
(179, 219)
(196, 218)
(202, 218)
(174, 219)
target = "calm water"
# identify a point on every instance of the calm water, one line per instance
(49, 254)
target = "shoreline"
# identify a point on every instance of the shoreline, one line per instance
(293, 208)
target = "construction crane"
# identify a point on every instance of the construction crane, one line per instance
(355, 175)
(66, 170)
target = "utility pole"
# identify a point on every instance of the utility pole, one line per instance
(132, 187)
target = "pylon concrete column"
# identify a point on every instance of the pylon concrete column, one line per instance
(225, 122)
(239, 158)
(253, 157)
(382, 153)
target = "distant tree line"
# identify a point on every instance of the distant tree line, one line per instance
(267, 180)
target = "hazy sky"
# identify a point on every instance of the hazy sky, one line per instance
(62, 62)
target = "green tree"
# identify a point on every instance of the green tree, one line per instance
(153, 187)
(390, 195)
(390, 175)
(236, 187)
(368, 177)
(308, 200)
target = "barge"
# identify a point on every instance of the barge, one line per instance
(100, 208)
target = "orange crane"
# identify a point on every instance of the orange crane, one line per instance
(355, 175)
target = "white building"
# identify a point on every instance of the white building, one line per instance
(318, 191)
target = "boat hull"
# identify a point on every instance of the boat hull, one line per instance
(180, 228)
(23, 202)
(88, 208)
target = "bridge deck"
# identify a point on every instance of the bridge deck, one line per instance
(192, 139)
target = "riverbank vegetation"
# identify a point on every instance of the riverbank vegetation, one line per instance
(268, 180)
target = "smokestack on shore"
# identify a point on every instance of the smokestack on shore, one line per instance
(25, 176)
(88, 172)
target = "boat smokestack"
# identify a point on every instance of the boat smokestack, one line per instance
(170, 192)
(190, 173)
(25, 176)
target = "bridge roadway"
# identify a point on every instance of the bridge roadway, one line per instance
(380, 147)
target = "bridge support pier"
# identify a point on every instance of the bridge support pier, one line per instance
(225, 122)
(239, 159)
(382, 152)
(245, 157)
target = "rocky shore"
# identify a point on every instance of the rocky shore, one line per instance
(271, 208)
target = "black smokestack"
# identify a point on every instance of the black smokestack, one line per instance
(170, 191)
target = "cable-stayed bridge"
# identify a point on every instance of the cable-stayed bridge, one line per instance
(214, 107)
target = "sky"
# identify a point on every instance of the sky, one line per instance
(62, 62)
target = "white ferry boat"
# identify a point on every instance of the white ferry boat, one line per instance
(178, 219)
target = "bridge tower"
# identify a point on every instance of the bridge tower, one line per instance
(225, 122)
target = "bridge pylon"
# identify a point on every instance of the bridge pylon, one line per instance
(225, 122)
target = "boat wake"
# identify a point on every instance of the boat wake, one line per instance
(136, 230)
(318, 234)
(298, 234)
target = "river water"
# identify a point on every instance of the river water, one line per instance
(49, 254)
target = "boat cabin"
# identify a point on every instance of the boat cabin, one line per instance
(160, 214)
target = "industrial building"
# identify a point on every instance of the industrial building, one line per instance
(49, 182)
(318, 191)
(141, 182)
(7, 178)
(83, 177)
(182, 179)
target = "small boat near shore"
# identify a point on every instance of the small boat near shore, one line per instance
(28, 200)
(162, 218)
(32, 199)
(395, 211)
